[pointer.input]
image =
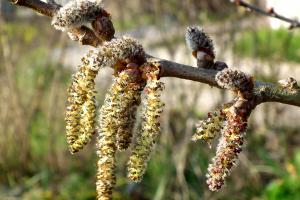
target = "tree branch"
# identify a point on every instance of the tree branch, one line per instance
(264, 92)
(269, 12)
(37, 5)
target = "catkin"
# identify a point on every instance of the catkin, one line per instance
(150, 128)
(208, 129)
(230, 145)
(110, 119)
(80, 114)
(131, 100)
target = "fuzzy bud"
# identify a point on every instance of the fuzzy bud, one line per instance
(201, 45)
(150, 128)
(76, 13)
(123, 49)
(235, 80)
(196, 39)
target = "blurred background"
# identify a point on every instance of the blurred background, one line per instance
(36, 63)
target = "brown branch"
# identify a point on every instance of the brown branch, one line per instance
(37, 5)
(269, 12)
(265, 92)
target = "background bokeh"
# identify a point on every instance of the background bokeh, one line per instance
(36, 63)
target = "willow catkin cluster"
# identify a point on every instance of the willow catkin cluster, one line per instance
(150, 128)
(112, 130)
(233, 131)
(208, 129)
(76, 13)
(80, 114)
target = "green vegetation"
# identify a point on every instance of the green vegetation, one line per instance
(287, 185)
(35, 162)
(268, 44)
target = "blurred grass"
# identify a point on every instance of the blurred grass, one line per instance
(268, 44)
(35, 162)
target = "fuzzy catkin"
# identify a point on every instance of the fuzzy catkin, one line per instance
(230, 145)
(150, 128)
(80, 114)
(76, 13)
(207, 129)
(110, 119)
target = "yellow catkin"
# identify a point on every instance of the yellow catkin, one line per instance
(80, 114)
(110, 120)
(208, 129)
(131, 99)
(150, 128)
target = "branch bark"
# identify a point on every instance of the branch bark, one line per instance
(269, 12)
(264, 91)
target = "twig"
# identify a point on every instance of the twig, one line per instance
(265, 92)
(268, 12)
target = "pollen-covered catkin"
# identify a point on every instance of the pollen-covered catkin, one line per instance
(76, 13)
(131, 100)
(150, 128)
(230, 145)
(80, 115)
(110, 119)
(207, 129)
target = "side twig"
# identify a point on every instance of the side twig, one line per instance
(268, 12)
